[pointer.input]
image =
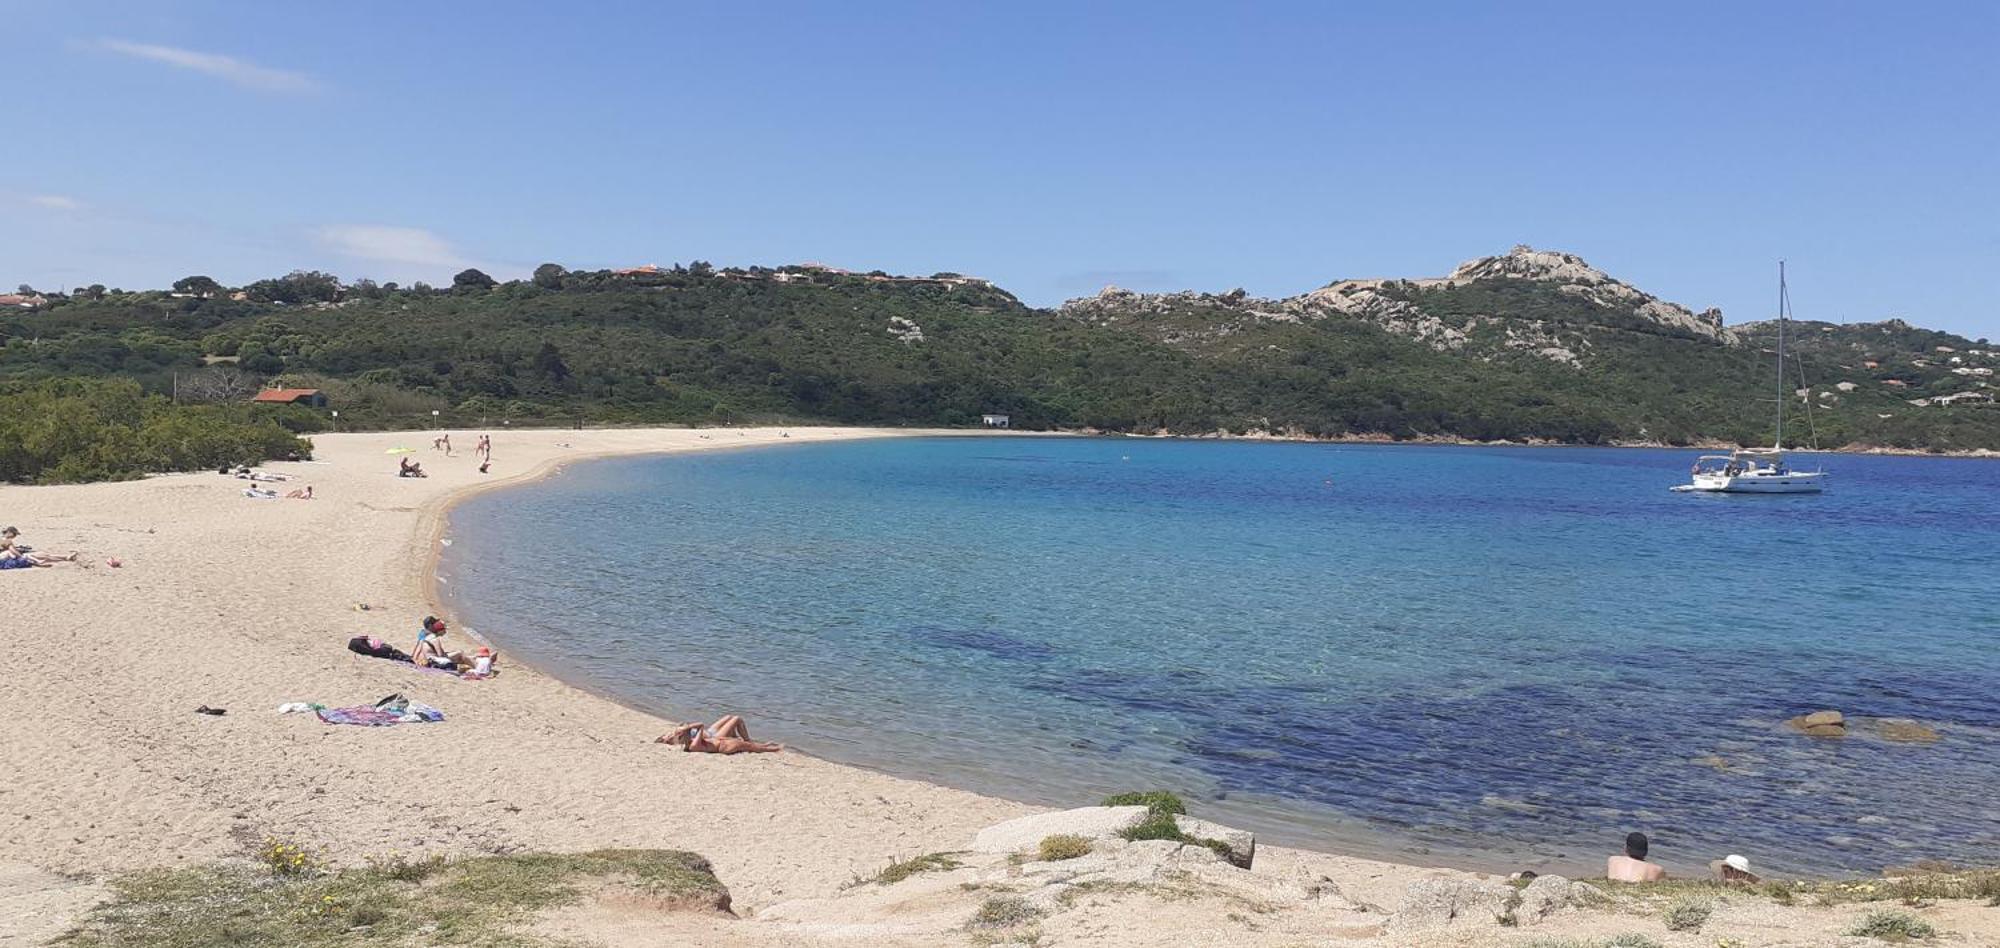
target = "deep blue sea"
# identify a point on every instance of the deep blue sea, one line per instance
(1506, 657)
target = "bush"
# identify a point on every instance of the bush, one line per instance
(1004, 911)
(1157, 801)
(1687, 914)
(1632, 940)
(1892, 926)
(898, 871)
(1064, 846)
(74, 431)
(288, 860)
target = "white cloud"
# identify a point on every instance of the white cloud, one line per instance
(408, 246)
(227, 68)
(55, 202)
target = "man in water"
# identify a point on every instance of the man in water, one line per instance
(1632, 865)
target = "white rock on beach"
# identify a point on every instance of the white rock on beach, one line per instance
(1027, 832)
(1430, 904)
(1242, 843)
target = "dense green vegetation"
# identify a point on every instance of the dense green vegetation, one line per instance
(101, 429)
(696, 345)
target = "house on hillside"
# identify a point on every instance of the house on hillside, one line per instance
(651, 269)
(23, 300)
(309, 397)
(1955, 398)
(995, 421)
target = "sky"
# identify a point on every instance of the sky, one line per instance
(1051, 147)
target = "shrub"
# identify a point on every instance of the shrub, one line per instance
(77, 430)
(1632, 940)
(1064, 846)
(404, 869)
(1892, 926)
(1157, 801)
(287, 859)
(1687, 914)
(898, 871)
(1004, 911)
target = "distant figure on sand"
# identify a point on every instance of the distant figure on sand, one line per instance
(728, 735)
(1631, 866)
(410, 468)
(484, 448)
(442, 443)
(306, 494)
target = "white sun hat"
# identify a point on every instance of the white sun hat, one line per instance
(1736, 862)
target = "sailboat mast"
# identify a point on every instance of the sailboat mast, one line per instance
(1781, 355)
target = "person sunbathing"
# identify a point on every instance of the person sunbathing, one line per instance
(306, 494)
(410, 468)
(22, 556)
(728, 735)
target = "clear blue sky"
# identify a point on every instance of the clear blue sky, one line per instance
(1051, 147)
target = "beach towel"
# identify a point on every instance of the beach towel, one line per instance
(365, 716)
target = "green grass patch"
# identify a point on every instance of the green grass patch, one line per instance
(1161, 825)
(476, 902)
(1063, 846)
(1892, 926)
(1159, 802)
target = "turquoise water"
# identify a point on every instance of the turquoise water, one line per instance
(1503, 656)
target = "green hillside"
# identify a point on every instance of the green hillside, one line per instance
(1493, 353)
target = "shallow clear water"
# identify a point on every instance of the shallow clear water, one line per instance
(1488, 655)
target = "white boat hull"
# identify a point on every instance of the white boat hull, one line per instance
(1811, 482)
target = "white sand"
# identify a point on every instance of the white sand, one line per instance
(245, 604)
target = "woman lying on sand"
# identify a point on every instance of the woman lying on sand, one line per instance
(728, 735)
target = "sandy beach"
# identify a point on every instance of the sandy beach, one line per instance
(245, 604)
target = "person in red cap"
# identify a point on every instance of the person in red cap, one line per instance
(430, 651)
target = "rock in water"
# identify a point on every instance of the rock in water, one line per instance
(1430, 904)
(1820, 724)
(1906, 731)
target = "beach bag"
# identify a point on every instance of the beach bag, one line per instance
(375, 648)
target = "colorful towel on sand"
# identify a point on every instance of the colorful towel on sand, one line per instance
(365, 716)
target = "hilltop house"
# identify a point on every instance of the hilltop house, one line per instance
(309, 397)
(23, 300)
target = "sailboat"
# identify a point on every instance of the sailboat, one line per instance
(1759, 470)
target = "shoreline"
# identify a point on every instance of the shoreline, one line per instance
(246, 604)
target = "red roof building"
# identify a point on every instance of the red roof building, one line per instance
(291, 396)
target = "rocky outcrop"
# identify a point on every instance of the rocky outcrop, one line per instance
(1553, 895)
(1240, 846)
(1394, 306)
(1820, 724)
(1027, 832)
(1433, 904)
